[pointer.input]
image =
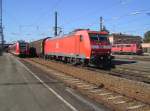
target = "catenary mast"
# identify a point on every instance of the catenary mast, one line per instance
(1, 27)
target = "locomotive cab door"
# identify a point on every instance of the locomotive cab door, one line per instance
(77, 46)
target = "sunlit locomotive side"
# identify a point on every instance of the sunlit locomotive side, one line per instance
(80, 47)
(20, 48)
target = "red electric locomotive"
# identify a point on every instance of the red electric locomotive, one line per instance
(80, 46)
(20, 48)
(127, 49)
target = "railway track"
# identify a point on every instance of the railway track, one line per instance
(139, 58)
(138, 75)
(102, 88)
(136, 67)
(126, 73)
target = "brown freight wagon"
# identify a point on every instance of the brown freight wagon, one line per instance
(37, 48)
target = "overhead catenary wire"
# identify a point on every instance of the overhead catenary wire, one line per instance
(45, 13)
(134, 13)
(89, 13)
(39, 20)
(36, 24)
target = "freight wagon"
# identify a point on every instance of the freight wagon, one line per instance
(37, 48)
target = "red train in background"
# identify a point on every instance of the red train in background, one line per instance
(127, 49)
(20, 48)
(79, 47)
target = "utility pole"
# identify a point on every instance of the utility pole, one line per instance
(55, 28)
(101, 23)
(1, 27)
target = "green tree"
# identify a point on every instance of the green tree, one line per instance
(147, 37)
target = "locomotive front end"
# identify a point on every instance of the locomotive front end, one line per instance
(23, 49)
(100, 49)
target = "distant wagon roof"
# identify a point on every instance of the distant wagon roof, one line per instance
(41, 39)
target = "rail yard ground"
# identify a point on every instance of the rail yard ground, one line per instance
(38, 84)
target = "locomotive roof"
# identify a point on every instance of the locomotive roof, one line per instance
(76, 31)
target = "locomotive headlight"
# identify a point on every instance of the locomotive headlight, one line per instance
(107, 47)
(95, 46)
(93, 52)
(108, 52)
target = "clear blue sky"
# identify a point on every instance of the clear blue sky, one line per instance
(33, 19)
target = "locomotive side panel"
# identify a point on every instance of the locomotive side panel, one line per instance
(65, 46)
(84, 44)
(70, 46)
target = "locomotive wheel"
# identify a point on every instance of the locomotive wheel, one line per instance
(65, 60)
(107, 64)
(85, 63)
(76, 61)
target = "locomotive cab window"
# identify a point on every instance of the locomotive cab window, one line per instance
(98, 37)
(93, 37)
(23, 46)
(128, 46)
(118, 46)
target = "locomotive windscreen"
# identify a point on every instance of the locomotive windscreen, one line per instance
(98, 37)
(23, 46)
